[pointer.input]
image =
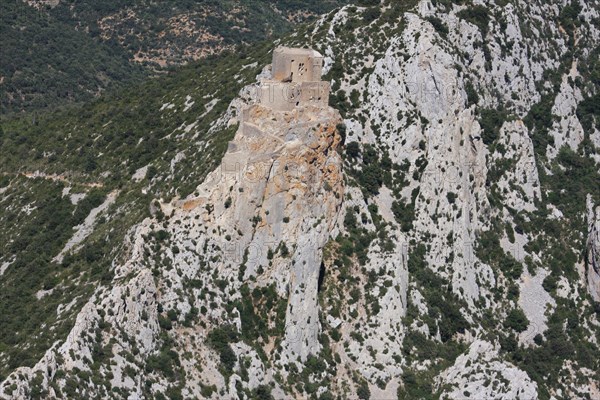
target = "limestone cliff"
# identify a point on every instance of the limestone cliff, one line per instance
(593, 250)
(260, 220)
(433, 232)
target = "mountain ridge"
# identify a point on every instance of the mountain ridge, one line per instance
(454, 264)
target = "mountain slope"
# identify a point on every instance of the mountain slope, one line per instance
(45, 62)
(59, 51)
(449, 253)
(58, 167)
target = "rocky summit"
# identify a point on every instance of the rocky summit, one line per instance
(397, 200)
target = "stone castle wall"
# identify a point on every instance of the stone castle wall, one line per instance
(296, 80)
(282, 96)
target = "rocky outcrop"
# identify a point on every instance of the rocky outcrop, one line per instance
(567, 131)
(522, 174)
(482, 374)
(593, 250)
(415, 82)
(283, 178)
(261, 218)
(536, 303)
(443, 92)
(425, 100)
(128, 308)
(86, 228)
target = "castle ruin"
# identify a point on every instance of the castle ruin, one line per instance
(295, 80)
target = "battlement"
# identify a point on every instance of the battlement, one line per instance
(295, 80)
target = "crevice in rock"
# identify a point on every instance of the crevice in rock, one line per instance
(321, 277)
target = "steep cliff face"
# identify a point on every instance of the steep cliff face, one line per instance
(440, 251)
(477, 112)
(250, 236)
(593, 250)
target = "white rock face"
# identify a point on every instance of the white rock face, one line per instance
(86, 227)
(536, 303)
(140, 174)
(5, 266)
(593, 249)
(428, 85)
(290, 182)
(514, 136)
(249, 242)
(481, 374)
(567, 131)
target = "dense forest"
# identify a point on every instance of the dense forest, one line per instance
(44, 61)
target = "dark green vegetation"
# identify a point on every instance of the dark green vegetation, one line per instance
(477, 15)
(101, 143)
(260, 309)
(75, 50)
(167, 363)
(45, 61)
(439, 26)
(419, 384)
(444, 305)
(219, 339)
(444, 317)
(32, 240)
(491, 120)
(117, 134)
(262, 314)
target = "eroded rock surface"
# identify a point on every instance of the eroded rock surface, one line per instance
(593, 250)
(262, 219)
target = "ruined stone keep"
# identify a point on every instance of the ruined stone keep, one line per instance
(295, 80)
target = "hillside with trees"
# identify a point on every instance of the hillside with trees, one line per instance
(54, 53)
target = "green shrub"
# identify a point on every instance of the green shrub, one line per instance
(439, 26)
(569, 17)
(477, 15)
(443, 304)
(472, 96)
(352, 150)
(363, 391)
(550, 283)
(219, 339)
(371, 14)
(451, 197)
(491, 121)
(404, 214)
(415, 386)
(517, 320)
(262, 392)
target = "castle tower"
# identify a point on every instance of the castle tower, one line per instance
(297, 65)
(295, 80)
